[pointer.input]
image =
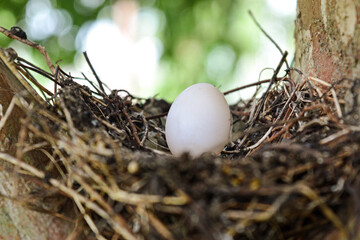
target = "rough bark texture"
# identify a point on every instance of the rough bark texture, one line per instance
(327, 37)
(17, 221)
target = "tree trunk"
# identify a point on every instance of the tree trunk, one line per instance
(327, 34)
(16, 220)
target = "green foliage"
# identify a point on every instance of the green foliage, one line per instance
(9, 16)
(15, 13)
(194, 29)
(202, 40)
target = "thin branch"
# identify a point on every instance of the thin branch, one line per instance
(8, 112)
(145, 131)
(95, 74)
(247, 86)
(283, 59)
(157, 116)
(132, 126)
(92, 84)
(268, 36)
(37, 46)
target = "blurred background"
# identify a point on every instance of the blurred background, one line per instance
(156, 47)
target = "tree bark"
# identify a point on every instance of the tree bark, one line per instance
(327, 35)
(327, 38)
(16, 220)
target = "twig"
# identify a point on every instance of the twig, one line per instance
(287, 103)
(268, 36)
(246, 86)
(56, 164)
(88, 219)
(35, 82)
(252, 85)
(132, 126)
(92, 97)
(94, 72)
(37, 46)
(157, 116)
(293, 121)
(56, 77)
(120, 105)
(7, 113)
(92, 84)
(334, 136)
(260, 141)
(159, 226)
(336, 101)
(327, 211)
(146, 130)
(263, 98)
(258, 216)
(34, 171)
(107, 124)
(33, 67)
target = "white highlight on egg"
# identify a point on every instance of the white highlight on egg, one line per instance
(198, 121)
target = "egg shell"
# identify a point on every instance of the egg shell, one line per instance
(198, 121)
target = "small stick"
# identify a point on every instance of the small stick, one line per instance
(146, 130)
(8, 112)
(133, 128)
(33, 68)
(93, 70)
(107, 124)
(159, 226)
(92, 97)
(88, 219)
(92, 84)
(263, 98)
(35, 82)
(157, 116)
(261, 215)
(336, 101)
(334, 136)
(123, 110)
(56, 77)
(276, 121)
(248, 85)
(292, 122)
(260, 141)
(287, 103)
(254, 84)
(268, 36)
(14, 161)
(322, 82)
(326, 210)
(333, 85)
(37, 46)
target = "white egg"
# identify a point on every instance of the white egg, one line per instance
(198, 121)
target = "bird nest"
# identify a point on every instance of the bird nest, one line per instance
(289, 172)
